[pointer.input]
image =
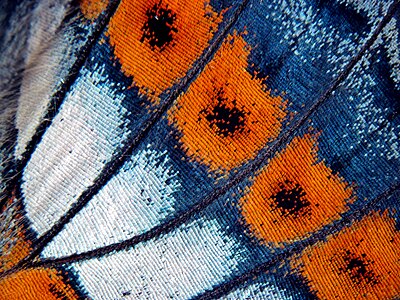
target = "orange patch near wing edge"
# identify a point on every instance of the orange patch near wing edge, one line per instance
(15, 246)
(294, 195)
(92, 9)
(13, 251)
(36, 284)
(360, 262)
(31, 283)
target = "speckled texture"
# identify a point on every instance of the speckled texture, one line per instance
(228, 150)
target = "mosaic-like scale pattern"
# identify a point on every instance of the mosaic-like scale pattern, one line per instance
(203, 149)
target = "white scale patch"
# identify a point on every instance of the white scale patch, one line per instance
(46, 50)
(375, 9)
(51, 53)
(180, 265)
(74, 150)
(257, 291)
(134, 200)
(391, 36)
(370, 118)
(301, 23)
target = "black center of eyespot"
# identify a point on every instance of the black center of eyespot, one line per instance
(291, 200)
(159, 27)
(224, 119)
(358, 268)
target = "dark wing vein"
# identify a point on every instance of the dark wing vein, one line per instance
(296, 247)
(10, 82)
(58, 97)
(226, 287)
(250, 168)
(117, 162)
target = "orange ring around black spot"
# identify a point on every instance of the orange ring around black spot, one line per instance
(360, 262)
(157, 42)
(294, 195)
(227, 115)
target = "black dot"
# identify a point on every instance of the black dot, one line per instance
(159, 27)
(358, 268)
(226, 120)
(291, 201)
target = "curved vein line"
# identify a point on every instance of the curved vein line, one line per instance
(210, 198)
(112, 167)
(11, 87)
(170, 225)
(59, 96)
(286, 253)
(228, 286)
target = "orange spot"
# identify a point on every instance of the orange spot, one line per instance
(36, 284)
(226, 116)
(294, 195)
(157, 41)
(92, 9)
(16, 249)
(14, 244)
(361, 262)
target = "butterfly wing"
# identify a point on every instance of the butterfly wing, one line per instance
(217, 160)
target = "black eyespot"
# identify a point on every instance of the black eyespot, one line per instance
(224, 119)
(359, 268)
(159, 28)
(291, 200)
